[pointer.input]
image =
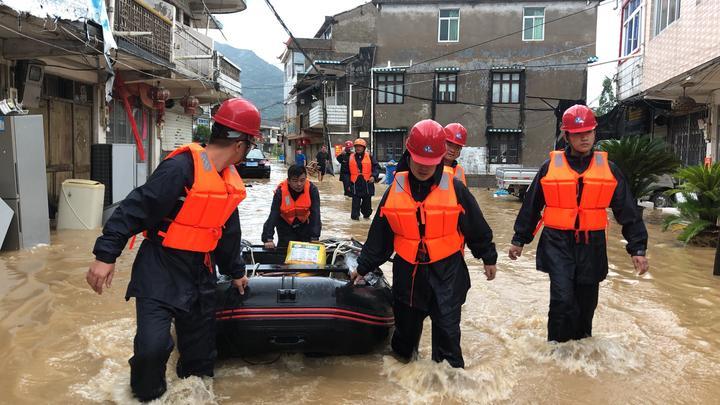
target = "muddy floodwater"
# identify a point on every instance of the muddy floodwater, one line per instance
(657, 338)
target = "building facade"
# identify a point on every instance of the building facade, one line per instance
(668, 74)
(144, 92)
(505, 70)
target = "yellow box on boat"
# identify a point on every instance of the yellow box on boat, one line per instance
(305, 253)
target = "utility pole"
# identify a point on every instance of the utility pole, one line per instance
(326, 133)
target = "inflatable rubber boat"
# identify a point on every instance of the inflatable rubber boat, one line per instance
(300, 308)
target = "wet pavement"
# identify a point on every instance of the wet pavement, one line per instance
(657, 338)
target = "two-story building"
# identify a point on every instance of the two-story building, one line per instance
(668, 74)
(504, 69)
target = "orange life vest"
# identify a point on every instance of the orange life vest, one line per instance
(355, 171)
(439, 212)
(459, 173)
(291, 209)
(560, 188)
(209, 203)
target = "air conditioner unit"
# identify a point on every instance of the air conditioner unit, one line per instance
(33, 85)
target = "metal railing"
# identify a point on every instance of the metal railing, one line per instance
(336, 115)
(193, 51)
(134, 16)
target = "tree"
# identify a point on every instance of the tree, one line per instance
(641, 161)
(607, 98)
(202, 134)
(700, 210)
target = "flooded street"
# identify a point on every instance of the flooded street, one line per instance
(657, 338)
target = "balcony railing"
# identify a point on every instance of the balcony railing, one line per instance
(630, 74)
(227, 74)
(135, 16)
(193, 51)
(336, 115)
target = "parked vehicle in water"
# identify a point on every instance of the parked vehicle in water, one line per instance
(256, 165)
(515, 180)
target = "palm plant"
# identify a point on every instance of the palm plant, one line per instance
(700, 185)
(641, 160)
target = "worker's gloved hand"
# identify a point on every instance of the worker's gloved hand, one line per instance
(641, 264)
(490, 270)
(240, 284)
(269, 245)
(515, 252)
(100, 274)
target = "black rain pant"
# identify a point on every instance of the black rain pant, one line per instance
(445, 332)
(572, 307)
(361, 204)
(153, 344)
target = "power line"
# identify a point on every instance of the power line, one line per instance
(300, 48)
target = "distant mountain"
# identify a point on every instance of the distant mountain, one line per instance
(262, 82)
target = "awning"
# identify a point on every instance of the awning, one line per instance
(517, 130)
(390, 130)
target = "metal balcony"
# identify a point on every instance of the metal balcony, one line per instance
(193, 52)
(135, 16)
(227, 74)
(336, 115)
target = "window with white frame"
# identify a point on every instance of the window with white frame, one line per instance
(632, 22)
(449, 25)
(447, 87)
(533, 24)
(666, 11)
(506, 88)
(390, 88)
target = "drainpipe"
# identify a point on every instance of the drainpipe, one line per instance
(350, 112)
(372, 110)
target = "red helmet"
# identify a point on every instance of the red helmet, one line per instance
(578, 118)
(456, 133)
(348, 144)
(426, 142)
(240, 115)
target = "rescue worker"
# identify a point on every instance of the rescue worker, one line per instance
(456, 137)
(569, 196)
(363, 170)
(344, 159)
(322, 157)
(295, 211)
(425, 217)
(188, 212)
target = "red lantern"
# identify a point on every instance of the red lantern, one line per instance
(159, 95)
(190, 103)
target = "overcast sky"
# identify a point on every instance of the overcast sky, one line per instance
(257, 29)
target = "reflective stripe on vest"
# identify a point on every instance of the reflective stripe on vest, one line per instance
(366, 167)
(560, 189)
(209, 203)
(439, 212)
(291, 209)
